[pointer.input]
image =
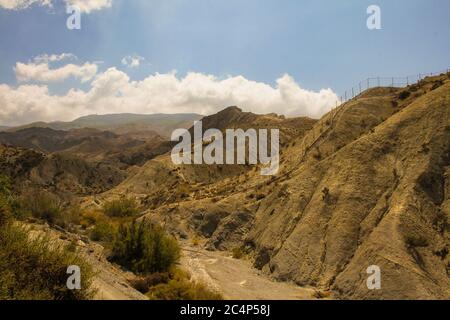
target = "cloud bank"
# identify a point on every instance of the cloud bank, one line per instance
(113, 92)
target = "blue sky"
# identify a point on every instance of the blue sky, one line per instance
(319, 43)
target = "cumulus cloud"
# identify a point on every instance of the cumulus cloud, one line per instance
(114, 92)
(87, 6)
(23, 4)
(41, 72)
(132, 61)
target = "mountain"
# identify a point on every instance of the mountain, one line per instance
(162, 124)
(234, 118)
(365, 185)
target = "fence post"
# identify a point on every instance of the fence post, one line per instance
(392, 81)
(360, 91)
(368, 83)
(407, 81)
(378, 81)
(345, 95)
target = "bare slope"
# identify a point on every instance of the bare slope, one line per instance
(376, 201)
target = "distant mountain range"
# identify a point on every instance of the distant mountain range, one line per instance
(162, 124)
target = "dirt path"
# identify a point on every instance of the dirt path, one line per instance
(236, 279)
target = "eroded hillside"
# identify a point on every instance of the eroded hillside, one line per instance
(366, 185)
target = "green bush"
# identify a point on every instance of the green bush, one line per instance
(43, 205)
(18, 208)
(121, 208)
(5, 211)
(69, 217)
(180, 287)
(144, 248)
(5, 192)
(5, 186)
(35, 269)
(102, 231)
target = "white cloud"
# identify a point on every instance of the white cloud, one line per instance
(23, 4)
(132, 61)
(113, 92)
(41, 72)
(87, 6)
(54, 57)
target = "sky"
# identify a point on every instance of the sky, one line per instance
(292, 57)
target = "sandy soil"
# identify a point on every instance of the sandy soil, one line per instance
(237, 279)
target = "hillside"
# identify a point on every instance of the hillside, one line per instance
(66, 176)
(90, 144)
(160, 181)
(367, 185)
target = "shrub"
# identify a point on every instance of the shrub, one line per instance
(238, 253)
(5, 211)
(404, 95)
(121, 208)
(144, 248)
(90, 218)
(102, 231)
(180, 287)
(44, 205)
(5, 208)
(414, 241)
(36, 269)
(144, 284)
(437, 84)
(260, 196)
(69, 217)
(5, 186)
(18, 208)
(182, 290)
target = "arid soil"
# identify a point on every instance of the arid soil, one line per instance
(237, 279)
